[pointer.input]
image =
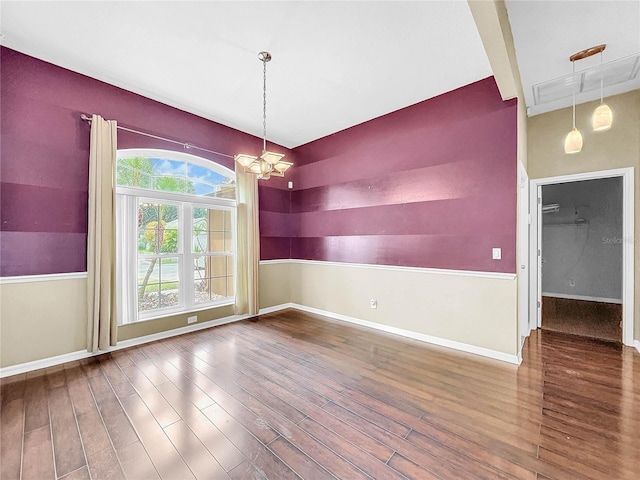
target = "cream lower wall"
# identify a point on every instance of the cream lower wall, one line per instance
(275, 283)
(478, 311)
(42, 319)
(618, 147)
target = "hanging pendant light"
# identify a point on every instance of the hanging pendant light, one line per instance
(573, 141)
(268, 164)
(602, 116)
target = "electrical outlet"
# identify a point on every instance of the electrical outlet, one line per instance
(193, 319)
(497, 253)
(374, 303)
(572, 282)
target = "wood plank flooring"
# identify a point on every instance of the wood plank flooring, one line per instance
(581, 317)
(292, 395)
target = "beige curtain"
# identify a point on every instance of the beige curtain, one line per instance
(247, 243)
(102, 329)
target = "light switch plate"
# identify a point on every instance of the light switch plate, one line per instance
(497, 254)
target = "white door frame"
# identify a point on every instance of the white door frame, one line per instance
(628, 243)
(524, 220)
(535, 255)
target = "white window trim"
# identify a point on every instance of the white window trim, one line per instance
(175, 197)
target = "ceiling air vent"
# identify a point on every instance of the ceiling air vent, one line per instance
(618, 76)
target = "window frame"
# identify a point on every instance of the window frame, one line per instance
(186, 203)
(192, 254)
(180, 254)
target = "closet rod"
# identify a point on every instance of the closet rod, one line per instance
(186, 146)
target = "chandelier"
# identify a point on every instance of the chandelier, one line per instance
(269, 163)
(602, 117)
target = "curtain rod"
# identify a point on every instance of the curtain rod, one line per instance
(186, 146)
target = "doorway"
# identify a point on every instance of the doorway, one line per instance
(582, 243)
(581, 253)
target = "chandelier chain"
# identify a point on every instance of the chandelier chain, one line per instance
(268, 164)
(264, 105)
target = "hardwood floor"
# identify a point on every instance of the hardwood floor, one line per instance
(580, 317)
(293, 395)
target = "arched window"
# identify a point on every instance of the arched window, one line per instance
(175, 227)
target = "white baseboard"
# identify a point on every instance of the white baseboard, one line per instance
(82, 354)
(45, 363)
(443, 342)
(583, 297)
(176, 331)
(637, 345)
(275, 308)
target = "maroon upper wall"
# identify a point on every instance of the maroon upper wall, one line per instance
(44, 155)
(431, 185)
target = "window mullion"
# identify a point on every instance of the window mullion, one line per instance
(188, 263)
(131, 258)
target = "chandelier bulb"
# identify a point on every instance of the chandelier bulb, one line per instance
(573, 142)
(602, 118)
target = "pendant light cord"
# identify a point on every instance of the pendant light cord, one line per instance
(573, 63)
(601, 81)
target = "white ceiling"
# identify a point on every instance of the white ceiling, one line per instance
(547, 33)
(335, 64)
